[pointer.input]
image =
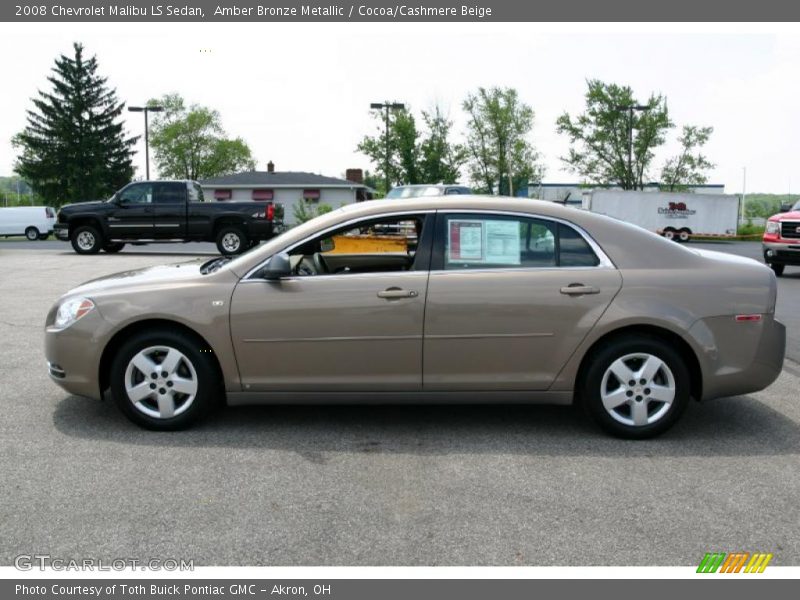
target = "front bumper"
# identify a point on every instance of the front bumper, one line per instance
(781, 253)
(73, 354)
(61, 231)
(739, 357)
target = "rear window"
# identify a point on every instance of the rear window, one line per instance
(476, 241)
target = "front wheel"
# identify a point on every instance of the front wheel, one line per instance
(636, 387)
(231, 240)
(778, 269)
(164, 380)
(86, 240)
(32, 234)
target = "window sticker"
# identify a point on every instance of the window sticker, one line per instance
(466, 241)
(490, 242)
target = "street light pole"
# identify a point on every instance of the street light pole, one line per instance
(145, 110)
(630, 108)
(387, 106)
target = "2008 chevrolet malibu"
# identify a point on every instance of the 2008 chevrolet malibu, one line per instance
(458, 300)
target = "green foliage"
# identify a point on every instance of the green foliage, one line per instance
(402, 149)
(599, 136)
(690, 166)
(74, 147)
(414, 157)
(497, 129)
(440, 159)
(305, 211)
(763, 206)
(190, 143)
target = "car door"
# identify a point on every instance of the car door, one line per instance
(132, 216)
(355, 328)
(509, 300)
(169, 209)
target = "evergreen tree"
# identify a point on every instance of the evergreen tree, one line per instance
(74, 147)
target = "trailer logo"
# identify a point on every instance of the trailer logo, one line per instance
(676, 210)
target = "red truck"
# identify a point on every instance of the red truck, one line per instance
(781, 241)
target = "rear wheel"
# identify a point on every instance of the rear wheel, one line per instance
(231, 240)
(669, 233)
(113, 247)
(86, 240)
(164, 380)
(684, 235)
(32, 234)
(636, 387)
(778, 269)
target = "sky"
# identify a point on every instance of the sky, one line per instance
(299, 94)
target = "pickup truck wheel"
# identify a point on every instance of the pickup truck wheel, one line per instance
(32, 234)
(113, 247)
(86, 240)
(164, 380)
(778, 269)
(231, 240)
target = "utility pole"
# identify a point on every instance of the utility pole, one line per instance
(387, 106)
(630, 108)
(744, 192)
(145, 110)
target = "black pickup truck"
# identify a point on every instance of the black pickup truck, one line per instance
(164, 211)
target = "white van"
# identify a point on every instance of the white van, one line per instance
(34, 222)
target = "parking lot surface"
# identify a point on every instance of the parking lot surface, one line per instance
(424, 485)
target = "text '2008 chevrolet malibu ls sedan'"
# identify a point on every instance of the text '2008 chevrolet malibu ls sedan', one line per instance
(463, 299)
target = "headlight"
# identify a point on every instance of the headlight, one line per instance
(71, 310)
(773, 226)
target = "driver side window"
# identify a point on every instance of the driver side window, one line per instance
(370, 246)
(138, 193)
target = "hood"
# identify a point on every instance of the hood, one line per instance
(148, 277)
(792, 215)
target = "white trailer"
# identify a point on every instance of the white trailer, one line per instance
(676, 216)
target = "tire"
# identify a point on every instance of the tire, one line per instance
(778, 269)
(629, 357)
(193, 370)
(669, 233)
(44, 236)
(32, 234)
(684, 235)
(231, 240)
(113, 247)
(86, 240)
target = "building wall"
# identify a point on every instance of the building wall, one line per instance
(289, 197)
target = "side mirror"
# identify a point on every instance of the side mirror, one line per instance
(786, 207)
(277, 267)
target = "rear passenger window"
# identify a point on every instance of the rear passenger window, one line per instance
(574, 251)
(499, 241)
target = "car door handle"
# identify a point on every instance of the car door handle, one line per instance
(578, 289)
(394, 293)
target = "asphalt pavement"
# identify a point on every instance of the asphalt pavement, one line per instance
(416, 485)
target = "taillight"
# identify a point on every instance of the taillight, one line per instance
(748, 318)
(270, 212)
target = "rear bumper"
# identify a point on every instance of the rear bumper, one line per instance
(739, 357)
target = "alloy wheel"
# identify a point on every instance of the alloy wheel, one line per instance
(161, 382)
(637, 389)
(86, 240)
(231, 242)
